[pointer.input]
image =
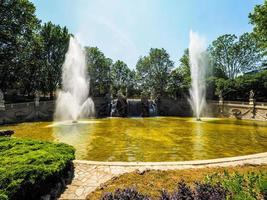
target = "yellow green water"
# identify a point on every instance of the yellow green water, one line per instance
(152, 139)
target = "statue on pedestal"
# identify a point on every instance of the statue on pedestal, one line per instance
(220, 98)
(251, 97)
(2, 101)
(121, 106)
(36, 98)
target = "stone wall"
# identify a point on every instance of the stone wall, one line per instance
(240, 110)
(172, 107)
(31, 111)
(229, 109)
(42, 111)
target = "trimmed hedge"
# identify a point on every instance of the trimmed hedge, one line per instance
(30, 169)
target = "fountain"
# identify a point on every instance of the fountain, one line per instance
(198, 66)
(72, 101)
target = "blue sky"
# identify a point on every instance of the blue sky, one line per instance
(127, 29)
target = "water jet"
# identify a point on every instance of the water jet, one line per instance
(198, 68)
(72, 101)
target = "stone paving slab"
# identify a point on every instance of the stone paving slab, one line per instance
(88, 175)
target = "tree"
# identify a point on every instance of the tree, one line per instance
(259, 19)
(153, 71)
(30, 79)
(18, 25)
(120, 76)
(239, 88)
(99, 71)
(55, 45)
(235, 56)
(175, 86)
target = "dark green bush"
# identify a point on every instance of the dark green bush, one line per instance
(28, 169)
(201, 191)
(125, 194)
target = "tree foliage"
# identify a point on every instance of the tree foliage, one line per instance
(18, 25)
(122, 78)
(153, 71)
(99, 70)
(235, 56)
(239, 88)
(259, 19)
(55, 45)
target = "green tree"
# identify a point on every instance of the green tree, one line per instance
(30, 75)
(175, 83)
(179, 80)
(18, 25)
(99, 70)
(259, 19)
(235, 56)
(55, 45)
(239, 88)
(120, 77)
(153, 71)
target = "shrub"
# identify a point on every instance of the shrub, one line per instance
(240, 186)
(183, 192)
(125, 194)
(206, 191)
(202, 191)
(29, 169)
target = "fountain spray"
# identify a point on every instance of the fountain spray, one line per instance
(72, 101)
(198, 68)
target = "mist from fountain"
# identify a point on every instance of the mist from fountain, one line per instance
(72, 101)
(198, 68)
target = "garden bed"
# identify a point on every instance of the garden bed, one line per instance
(33, 169)
(241, 182)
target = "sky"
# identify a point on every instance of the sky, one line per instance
(127, 29)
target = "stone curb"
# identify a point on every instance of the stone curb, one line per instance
(192, 162)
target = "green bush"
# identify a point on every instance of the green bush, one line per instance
(28, 169)
(239, 88)
(250, 186)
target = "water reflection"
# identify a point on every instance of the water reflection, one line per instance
(152, 139)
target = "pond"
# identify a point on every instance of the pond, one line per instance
(152, 139)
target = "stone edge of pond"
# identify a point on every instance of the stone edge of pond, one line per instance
(191, 162)
(91, 174)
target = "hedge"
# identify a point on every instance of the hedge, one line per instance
(29, 169)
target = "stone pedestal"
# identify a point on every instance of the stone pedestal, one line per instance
(37, 100)
(221, 105)
(252, 102)
(37, 103)
(2, 105)
(144, 107)
(2, 101)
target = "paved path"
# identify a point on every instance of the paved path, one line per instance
(89, 175)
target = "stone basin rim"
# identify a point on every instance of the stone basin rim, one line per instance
(174, 163)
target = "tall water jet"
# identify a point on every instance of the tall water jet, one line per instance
(198, 68)
(72, 101)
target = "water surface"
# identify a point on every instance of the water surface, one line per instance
(152, 139)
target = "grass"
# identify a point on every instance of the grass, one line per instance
(27, 167)
(151, 183)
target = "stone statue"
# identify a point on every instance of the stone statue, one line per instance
(1, 95)
(2, 101)
(145, 106)
(220, 97)
(37, 98)
(251, 94)
(121, 105)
